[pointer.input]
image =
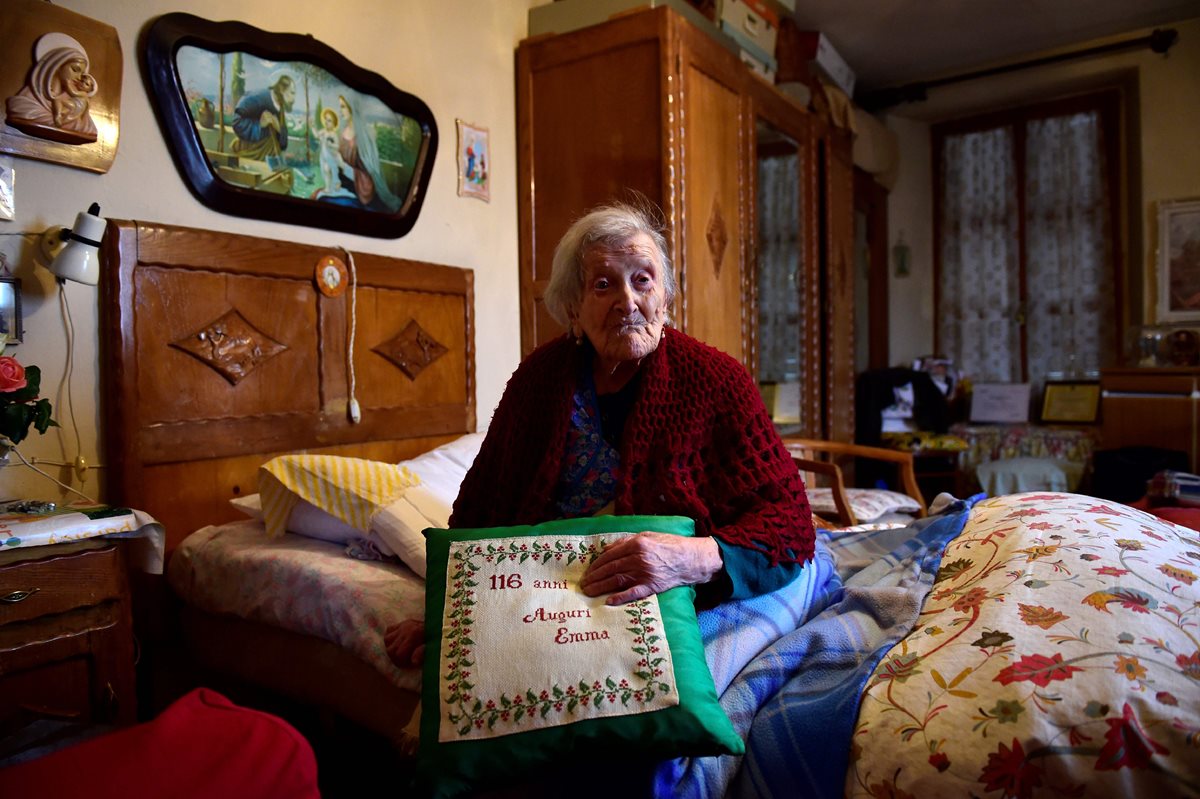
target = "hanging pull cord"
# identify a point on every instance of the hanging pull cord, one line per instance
(352, 406)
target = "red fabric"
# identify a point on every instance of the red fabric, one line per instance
(1176, 514)
(203, 745)
(698, 443)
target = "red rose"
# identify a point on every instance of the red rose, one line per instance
(12, 374)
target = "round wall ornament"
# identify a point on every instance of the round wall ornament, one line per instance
(331, 276)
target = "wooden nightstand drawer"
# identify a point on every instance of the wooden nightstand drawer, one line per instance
(59, 583)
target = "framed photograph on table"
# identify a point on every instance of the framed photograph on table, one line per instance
(1071, 402)
(10, 310)
(1179, 261)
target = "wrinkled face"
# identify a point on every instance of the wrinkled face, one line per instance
(624, 301)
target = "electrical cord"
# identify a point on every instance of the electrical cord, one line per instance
(80, 464)
(25, 461)
(352, 406)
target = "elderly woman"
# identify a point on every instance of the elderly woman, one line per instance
(627, 415)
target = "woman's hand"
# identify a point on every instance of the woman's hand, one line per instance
(650, 563)
(405, 643)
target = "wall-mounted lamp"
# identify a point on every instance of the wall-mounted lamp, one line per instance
(74, 254)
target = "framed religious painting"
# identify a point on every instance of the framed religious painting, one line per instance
(1179, 261)
(474, 158)
(279, 126)
(60, 86)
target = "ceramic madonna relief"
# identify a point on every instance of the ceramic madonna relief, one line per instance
(60, 86)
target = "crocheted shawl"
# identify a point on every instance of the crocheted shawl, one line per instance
(698, 443)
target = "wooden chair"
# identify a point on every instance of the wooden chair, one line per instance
(820, 461)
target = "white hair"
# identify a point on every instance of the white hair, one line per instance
(607, 226)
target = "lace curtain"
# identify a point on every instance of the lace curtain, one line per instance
(779, 269)
(1068, 278)
(1068, 304)
(980, 290)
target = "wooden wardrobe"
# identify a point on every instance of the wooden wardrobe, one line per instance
(647, 103)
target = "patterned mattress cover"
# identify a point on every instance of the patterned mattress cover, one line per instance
(299, 584)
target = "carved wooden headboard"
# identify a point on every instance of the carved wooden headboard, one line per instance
(219, 352)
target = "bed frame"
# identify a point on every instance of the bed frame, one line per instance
(219, 352)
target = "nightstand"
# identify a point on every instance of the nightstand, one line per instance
(66, 634)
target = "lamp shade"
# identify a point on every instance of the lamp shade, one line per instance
(79, 260)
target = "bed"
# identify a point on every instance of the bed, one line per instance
(1026, 645)
(220, 353)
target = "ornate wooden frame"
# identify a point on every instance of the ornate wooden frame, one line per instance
(223, 180)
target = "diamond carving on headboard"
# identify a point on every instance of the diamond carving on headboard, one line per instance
(231, 346)
(717, 235)
(412, 349)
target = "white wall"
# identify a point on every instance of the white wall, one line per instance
(456, 55)
(1166, 165)
(910, 209)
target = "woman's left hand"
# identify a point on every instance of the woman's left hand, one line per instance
(649, 563)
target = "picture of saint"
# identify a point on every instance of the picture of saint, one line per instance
(293, 128)
(260, 120)
(54, 102)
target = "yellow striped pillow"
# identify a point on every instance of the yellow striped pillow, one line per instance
(351, 489)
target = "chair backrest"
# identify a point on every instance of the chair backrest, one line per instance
(819, 461)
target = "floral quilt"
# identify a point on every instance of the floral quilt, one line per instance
(1058, 654)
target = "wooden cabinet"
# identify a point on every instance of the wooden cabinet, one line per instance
(66, 635)
(649, 104)
(1150, 407)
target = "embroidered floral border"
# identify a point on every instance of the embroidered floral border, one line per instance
(467, 711)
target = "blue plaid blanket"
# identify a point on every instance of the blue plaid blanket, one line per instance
(790, 666)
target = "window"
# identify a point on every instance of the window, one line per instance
(1026, 203)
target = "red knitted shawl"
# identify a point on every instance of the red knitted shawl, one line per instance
(698, 443)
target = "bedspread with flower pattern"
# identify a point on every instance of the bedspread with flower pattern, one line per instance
(1058, 654)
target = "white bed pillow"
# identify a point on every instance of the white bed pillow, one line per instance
(398, 528)
(308, 520)
(868, 504)
(427, 504)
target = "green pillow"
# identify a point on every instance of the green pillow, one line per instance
(521, 668)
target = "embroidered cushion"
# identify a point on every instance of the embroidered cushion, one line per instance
(522, 668)
(867, 503)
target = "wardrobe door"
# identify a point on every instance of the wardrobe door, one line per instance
(787, 340)
(714, 159)
(590, 113)
(837, 263)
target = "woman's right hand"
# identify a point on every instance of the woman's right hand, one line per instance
(405, 643)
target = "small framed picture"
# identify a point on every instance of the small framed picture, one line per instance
(10, 309)
(1072, 402)
(1006, 403)
(1179, 261)
(474, 161)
